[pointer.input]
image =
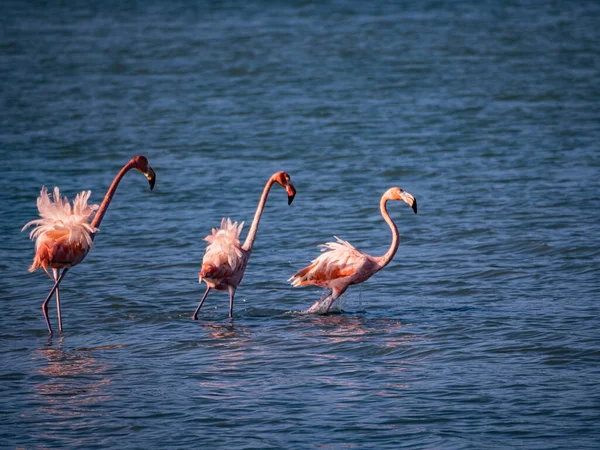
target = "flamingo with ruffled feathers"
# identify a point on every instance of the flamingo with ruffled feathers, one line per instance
(341, 264)
(225, 260)
(64, 234)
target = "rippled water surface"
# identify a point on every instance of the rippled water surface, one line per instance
(481, 333)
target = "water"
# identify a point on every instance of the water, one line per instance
(482, 332)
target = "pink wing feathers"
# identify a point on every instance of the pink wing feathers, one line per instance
(339, 260)
(63, 235)
(223, 254)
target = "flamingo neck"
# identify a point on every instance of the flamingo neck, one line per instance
(259, 210)
(385, 259)
(110, 193)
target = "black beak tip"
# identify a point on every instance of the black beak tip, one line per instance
(152, 181)
(291, 198)
(414, 206)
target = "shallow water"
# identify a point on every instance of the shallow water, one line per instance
(481, 333)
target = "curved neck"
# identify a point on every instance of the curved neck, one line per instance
(259, 209)
(385, 259)
(110, 193)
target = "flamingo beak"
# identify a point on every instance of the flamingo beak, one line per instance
(291, 192)
(408, 198)
(151, 176)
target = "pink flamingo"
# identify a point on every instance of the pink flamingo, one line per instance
(341, 264)
(225, 260)
(64, 235)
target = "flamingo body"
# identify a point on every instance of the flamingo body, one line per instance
(341, 264)
(225, 260)
(63, 236)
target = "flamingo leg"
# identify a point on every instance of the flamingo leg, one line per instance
(195, 315)
(333, 299)
(317, 306)
(334, 296)
(45, 304)
(56, 273)
(45, 311)
(325, 295)
(231, 294)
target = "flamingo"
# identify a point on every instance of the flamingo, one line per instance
(64, 234)
(341, 264)
(225, 260)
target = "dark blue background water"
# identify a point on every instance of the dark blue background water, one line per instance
(483, 331)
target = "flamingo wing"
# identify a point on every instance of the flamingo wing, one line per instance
(223, 254)
(339, 260)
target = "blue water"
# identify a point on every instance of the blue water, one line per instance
(481, 333)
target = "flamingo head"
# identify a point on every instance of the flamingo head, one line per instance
(284, 180)
(141, 163)
(396, 193)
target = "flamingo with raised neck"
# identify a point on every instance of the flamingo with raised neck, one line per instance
(341, 264)
(64, 235)
(225, 260)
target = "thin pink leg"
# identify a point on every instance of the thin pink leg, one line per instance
(231, 294)
(333, 299)
(45, 304)
(317, 307)
(195, 315)
(334, 296)
(45, 311)
(326, 294)
(56, 273)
